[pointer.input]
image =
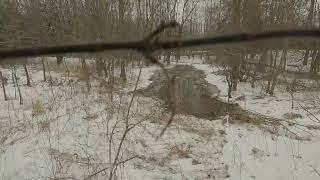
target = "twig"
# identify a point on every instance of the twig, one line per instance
(104, 169)
(305, 109)
(315, 170)
(127, 129)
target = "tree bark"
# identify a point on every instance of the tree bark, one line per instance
(27, 75)
(3, 87)
(44, 70)
(168, 58)
(111, 79)
(236, 59)
(313, 66)
(278, 71)
(59, 59)
(105, 68)
(123, 75)
(309, 24)
(86, 74)
(306, 58)
(17, 84)
(99, 66)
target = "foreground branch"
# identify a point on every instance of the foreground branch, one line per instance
(143, 46)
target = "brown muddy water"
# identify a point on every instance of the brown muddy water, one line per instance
(193, 95)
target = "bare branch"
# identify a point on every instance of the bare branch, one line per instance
(143, 46)
(160, 29)
(315, 170)
(104, 169)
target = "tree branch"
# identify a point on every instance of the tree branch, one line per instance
(143, 46)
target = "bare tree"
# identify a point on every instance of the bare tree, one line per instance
(309, 24)
(16, 84)
(27, 75)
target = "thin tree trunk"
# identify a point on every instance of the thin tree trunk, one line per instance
(229, 91)
(3, 87)
(59, 59)
(275, 75)
(168, 58)
(86, 73)
(313, 66)
(105, 68)
(123, 75)
(306, 57)
(44, 70)
(309, 24)
(270, 74)
(291, 100)
(316, 62)
(27, 75)
(317, 68)
(236, 59)
(235, 70)
(17, 84)
(111, 79)
(14, 83)
(99, 66)
(261, 67)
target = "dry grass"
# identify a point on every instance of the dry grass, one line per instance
(152, 159)
(82, 75)
(37, 108)
(43, 126)
(179, 152)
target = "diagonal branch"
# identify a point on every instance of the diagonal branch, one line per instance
(160, 29)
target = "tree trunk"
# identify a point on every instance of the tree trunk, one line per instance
(317, 68)
(270, 74)
(17, 85)
(168, 58)
(14, 83)
(313, 66)
(59, 59)
(236, 59)
(229, 91)
(291, 100)
(306, 58)
(278, 71)
(27, 75)
(86, 73)
(44, 70)
(228, 78)
(3, 87)
(105, 68)
(309, 24)
(235, 76)
(123, 75)
(111, 79)
(99, 66)
(262, 63)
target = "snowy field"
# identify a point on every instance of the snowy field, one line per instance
(62, 131)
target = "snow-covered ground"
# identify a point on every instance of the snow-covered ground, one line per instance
(63, 131)
(252, 153)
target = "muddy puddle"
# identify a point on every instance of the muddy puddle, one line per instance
(193, 95)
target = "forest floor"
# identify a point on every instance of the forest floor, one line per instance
(64, 131)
